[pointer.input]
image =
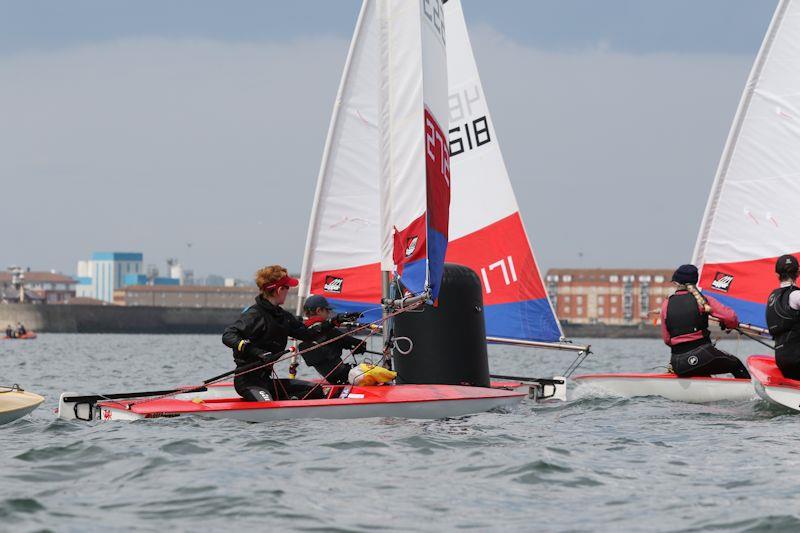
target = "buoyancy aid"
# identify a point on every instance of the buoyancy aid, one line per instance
(684, 316)
(783, 321)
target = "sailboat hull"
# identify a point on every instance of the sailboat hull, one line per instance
(670, 386)
(401, 401)
(770, 384)
(15, 404)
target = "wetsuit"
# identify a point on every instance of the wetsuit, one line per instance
(684, 328)
(21, 331)
(260, 333)
(783, 321)
(327, 360)
(9, 333)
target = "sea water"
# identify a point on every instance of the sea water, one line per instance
(594, 463)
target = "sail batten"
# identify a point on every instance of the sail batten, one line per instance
(751, 217)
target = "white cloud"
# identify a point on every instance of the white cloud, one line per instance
(145, 145)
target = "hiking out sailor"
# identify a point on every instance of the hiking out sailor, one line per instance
(261, 333)
(327, 359)
(21, 331)
(684, 328)
(783, 317)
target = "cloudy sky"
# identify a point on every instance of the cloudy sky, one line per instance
(147, 125)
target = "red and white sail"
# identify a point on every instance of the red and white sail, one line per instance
(486, 230)
(383, 191)
(752, 216)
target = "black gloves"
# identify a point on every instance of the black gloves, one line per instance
(345, 317)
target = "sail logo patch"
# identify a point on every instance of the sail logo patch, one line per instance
(722, 282)
(411, 245)
(333, 284)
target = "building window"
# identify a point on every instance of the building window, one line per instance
(600, 311)
(566, 309)
(567, 278)
(600, 300)
(613, 310)
(579, 300)
(580, 311)
(659, 279)
(613, 299)
(566, 299)
(613, 278)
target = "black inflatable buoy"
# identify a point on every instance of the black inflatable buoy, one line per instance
(450, 338)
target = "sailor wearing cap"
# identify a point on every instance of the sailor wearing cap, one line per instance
(261, 333)
(327, 359)
(684, 328)
(783, 317)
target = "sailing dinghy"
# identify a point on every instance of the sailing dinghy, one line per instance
(751, 217)
(385, 178)
(16, 403)
(486, 232)
(770, 383)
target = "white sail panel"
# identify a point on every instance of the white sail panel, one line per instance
(486, 230)
(751, 217)
(342, 255)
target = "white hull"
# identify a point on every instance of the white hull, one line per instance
(691, 390)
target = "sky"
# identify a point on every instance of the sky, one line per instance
(194, 129)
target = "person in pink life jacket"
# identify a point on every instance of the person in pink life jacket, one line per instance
(684, 328)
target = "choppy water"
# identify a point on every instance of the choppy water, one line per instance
(590, 464)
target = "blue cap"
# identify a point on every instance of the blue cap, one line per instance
(316, 301)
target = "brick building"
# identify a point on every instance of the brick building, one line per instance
(185, 296)
(613, 296)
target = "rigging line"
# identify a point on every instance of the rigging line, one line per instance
(581, 357)
(283, 358)
(341, 362)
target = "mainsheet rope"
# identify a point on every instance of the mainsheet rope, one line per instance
(272, 363)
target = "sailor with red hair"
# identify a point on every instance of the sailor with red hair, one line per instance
(260, 334)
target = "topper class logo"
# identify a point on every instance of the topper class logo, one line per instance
(333, 284)
(411, 245)
(722, 281)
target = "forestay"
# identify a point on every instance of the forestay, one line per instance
(752, 215)
(383, 191)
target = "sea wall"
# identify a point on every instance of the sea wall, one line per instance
(586, 331)
(116, 319)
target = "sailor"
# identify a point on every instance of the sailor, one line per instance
(21, 331)
(684, 328)
(9, 331)
(783, 317)
(261, 333)
(327, 359)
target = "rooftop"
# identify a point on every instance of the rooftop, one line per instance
(39, 277)
(189, 288)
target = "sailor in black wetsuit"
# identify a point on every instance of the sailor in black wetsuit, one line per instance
(783, 317)
(327, 360)
(261, 333)
(684, 328)
(21, 331)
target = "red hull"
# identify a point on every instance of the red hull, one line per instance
(28, 336)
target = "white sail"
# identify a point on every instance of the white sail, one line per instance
(486, 229)
(752, 217)
(373, 207)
